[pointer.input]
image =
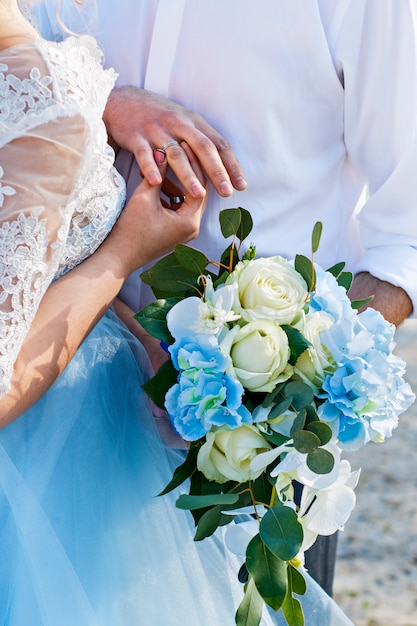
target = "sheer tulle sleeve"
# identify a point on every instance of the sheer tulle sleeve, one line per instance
(38, 169)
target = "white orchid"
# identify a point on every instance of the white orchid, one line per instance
(208, 315)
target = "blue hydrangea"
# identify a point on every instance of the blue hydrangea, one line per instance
(367, 391)
(205, 395)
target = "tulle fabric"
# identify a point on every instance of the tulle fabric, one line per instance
(85, 541)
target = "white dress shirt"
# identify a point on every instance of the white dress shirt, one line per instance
(318, 99)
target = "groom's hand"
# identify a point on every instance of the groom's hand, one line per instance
(140, 121)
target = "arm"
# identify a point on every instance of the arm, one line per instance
(73, 304)
(391, 301)
(377, 60)
(140, 121)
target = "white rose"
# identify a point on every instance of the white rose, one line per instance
(316, 362)
(260, 353)
(269, 288)
(227, 455)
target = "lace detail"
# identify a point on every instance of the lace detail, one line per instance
(23, 244)
(5, 190)
(59, 80)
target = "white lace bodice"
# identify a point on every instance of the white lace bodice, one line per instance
(59, 192)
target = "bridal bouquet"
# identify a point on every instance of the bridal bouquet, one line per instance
(273, 373)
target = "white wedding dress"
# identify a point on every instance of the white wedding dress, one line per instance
(83, 538)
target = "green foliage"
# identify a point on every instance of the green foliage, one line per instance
(183, 471)
(298, 343)
(236, 222)
(316, 236)
(157, 387)
(249, 612)
(268, 572)
(320, 461)
(153, 319)
(281, 532)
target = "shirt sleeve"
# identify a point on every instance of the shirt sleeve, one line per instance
(375, 53)
(38, 170)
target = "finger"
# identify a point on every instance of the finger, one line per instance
(216, 157)
(148, 165)
(186, 170)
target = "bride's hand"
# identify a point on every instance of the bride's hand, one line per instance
(149, 227)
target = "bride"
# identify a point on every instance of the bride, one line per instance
(83, 540)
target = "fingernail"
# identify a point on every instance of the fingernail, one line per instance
(197, 191)
(154, 178)
(241, 183)
(159, 156)
(226, 189)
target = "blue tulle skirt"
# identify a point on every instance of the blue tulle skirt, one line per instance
(84, 539)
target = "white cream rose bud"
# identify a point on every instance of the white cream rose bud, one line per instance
(268, 288)
(316, 361)
(227, 455)
(260, 352)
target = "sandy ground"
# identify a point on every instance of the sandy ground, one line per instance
(376, 572)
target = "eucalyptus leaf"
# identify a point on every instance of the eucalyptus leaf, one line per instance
(358, 304)
(298, 343)
(321, 430)
(292, 611)
(237, 221)
(250, 609)
(280, 408)
(183, 471)
(210, 521)
(268, 572)
(305, 268)
(191, 259)
(299, 422)
(305, 441)
(262, 489)
(281, 532)
(302, 394)
(336, 269)
(164, 379)
(296, 580)
(345, 280)
(320, 461)
(169, 278)
(188, 502)
(153, 319)
(316, 236)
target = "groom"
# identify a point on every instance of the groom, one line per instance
(317, 99)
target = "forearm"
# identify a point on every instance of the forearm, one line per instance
(391, 301)
(68, 311)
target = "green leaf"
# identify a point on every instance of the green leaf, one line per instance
(210, 521)
(169, 278)
(268, 572)
(298, 343)
(320, 461)
(183, 471)
(237, 222)
(191, 259)
(345, 280)
(292, 610)
(305, 441)
(316, 236)
(164, 379)
(262, 489)
(153, 319)
(280, 408)
(281, 532)
(250, 609)
(336, 269)
(302, 394)
(299, 422)
(296, 581)
(321, 430)
(188, 502)
(305, 268)
(229, 259)
(358, 304)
